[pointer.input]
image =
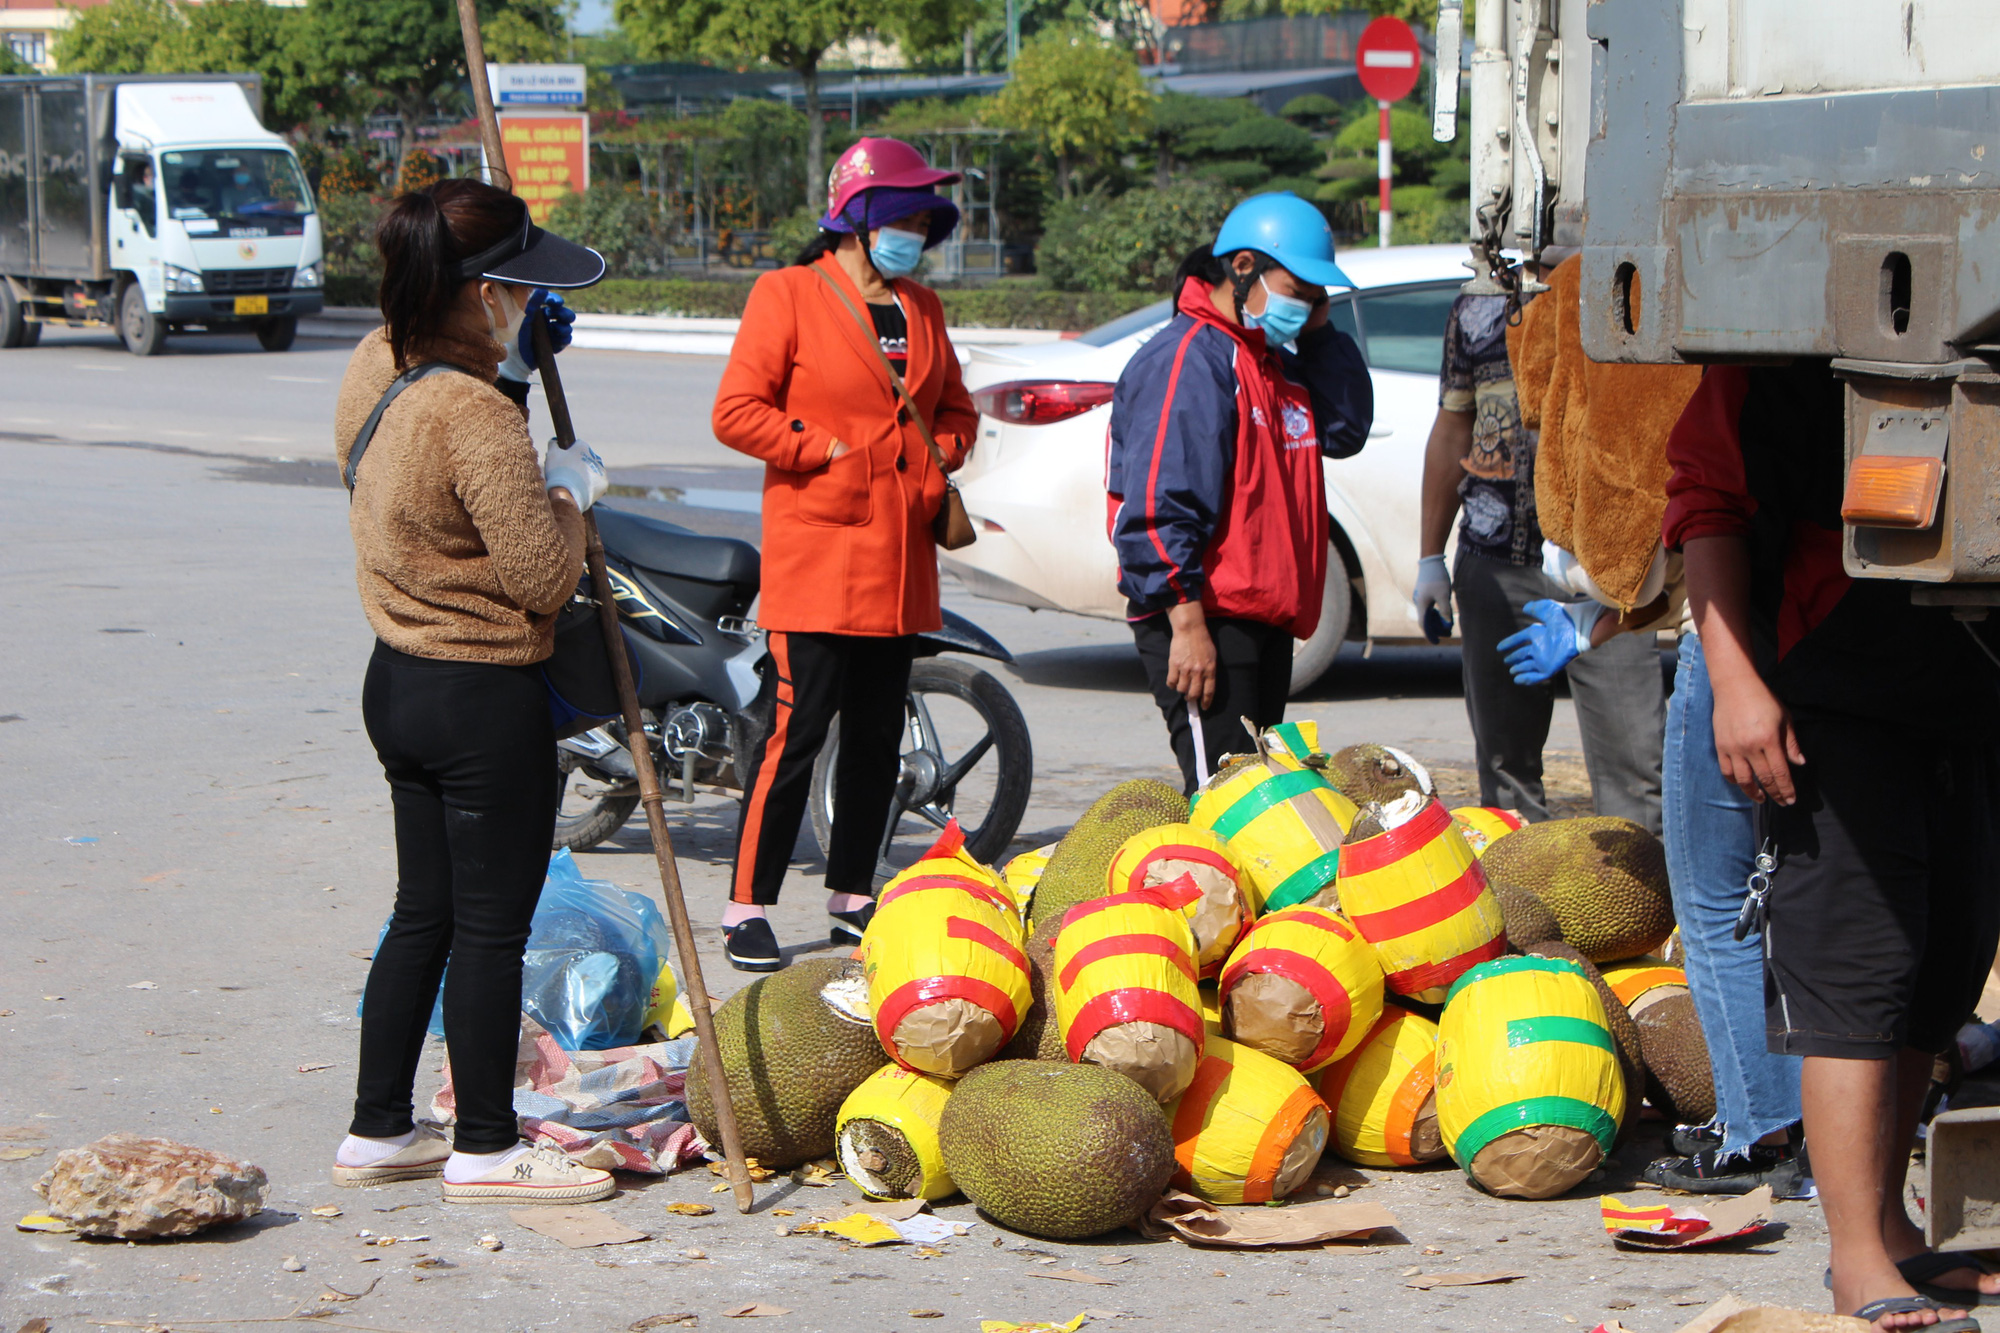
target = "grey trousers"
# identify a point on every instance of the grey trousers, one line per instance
(1620, 697)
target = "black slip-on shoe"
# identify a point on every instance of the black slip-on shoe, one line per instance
(751, 947)
(847, 927)
(1687, 1140)
(1712, 1171)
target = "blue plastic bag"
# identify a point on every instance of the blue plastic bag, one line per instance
(594, 952)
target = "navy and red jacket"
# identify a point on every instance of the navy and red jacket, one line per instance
(1213, 478)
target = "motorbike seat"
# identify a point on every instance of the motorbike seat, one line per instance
(675, 551)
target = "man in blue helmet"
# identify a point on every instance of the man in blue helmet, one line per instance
(1218, 504)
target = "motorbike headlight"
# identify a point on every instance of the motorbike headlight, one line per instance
(308, 275)
(183, 280)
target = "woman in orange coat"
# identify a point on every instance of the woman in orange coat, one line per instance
(850, 490)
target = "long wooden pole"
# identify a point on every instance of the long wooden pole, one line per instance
(650, 795)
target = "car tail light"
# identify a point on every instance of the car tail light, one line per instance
(1041, 402)
(1890, 491)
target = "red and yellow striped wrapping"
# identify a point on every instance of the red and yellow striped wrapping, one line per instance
(1125, 990)
(1483, 825)
(1416, 893)
(1249, 1129)
(1378, 1092)
(1024, 872)
(1637, 978)
(946, 975)
(948, 864)
(1198, 873)
(1321, 954)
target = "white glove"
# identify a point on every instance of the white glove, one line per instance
(1433, 593)
(577, 470)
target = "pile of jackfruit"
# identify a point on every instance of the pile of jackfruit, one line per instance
(1314, 955)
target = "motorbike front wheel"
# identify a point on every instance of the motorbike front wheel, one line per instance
(589, 810)
(966, 756)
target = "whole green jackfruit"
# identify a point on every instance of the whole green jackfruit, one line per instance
(1039, 1036)
(1625, 1033)
(793, 1045)
(1378, 773)
(1682, 1081)
(1604, 879)
(1527, 918)
(1080, 867)
(1063, 1151)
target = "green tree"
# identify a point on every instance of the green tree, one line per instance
(409, 52)
(1133, 242)
(1079, 95)
(222, 36)
(114, 38)
(792, 34)
(11, 63)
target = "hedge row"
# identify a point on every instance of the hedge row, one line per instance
(1000, 307)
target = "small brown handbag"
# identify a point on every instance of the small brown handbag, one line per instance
(952, 528)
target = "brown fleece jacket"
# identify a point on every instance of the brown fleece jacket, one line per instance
(459, 549)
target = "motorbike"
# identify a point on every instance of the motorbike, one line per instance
(685, 601)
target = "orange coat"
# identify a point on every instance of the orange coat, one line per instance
(847, 544)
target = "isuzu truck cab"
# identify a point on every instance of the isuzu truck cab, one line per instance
(152, 205)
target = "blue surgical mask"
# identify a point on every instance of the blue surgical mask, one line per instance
(896, 252)
(1283, 318)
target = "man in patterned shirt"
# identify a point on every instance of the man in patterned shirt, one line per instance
(1480, 466)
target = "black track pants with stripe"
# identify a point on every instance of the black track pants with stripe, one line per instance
(809, 679)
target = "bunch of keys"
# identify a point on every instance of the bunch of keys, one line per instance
(1756, 913)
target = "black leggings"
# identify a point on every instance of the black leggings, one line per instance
(1253, 678)
(470, 756)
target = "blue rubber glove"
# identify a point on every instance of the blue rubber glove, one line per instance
(1560, 634)
(550, 308)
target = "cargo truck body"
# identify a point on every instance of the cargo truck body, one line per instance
(151, 204)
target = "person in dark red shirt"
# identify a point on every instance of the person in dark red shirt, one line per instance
(1867, 729)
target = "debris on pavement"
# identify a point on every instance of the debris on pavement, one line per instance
(291, 1264)
(682, 1209)
(138, 1188)
(327, 1210)
(491, 1243)
(1685, 1227)
(755, 1310)
(577, 1228)
(679, 1319)
(18, 1154)
(1076, 1275)
(874, 1227)
(44, 1222)
(1002, 1326)
(1425, 1281)
(1198, 1222)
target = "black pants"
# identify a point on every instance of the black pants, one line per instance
(470, 756)
(1253, 678)
(808, 679)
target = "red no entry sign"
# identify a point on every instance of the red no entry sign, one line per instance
(1388, 59)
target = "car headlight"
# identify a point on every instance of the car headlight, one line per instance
(308, 275)
(183, 280)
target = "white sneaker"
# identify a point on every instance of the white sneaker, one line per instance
(424, 1157)
(539, 1175)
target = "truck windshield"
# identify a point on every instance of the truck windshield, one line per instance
(234, 182)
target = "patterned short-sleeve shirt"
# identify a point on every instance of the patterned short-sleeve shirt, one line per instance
(1497, 493)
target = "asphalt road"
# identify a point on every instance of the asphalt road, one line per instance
(195, 862)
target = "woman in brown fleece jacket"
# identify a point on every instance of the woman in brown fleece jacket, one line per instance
(464, 552)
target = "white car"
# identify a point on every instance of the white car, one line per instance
(1034, 483)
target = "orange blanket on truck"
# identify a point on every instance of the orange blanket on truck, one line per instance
(1601, 464)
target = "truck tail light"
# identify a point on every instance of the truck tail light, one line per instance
(1041, 402)
(1893, 491)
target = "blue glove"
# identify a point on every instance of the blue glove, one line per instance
(577, 470)
(1561, 633)
(548, 307)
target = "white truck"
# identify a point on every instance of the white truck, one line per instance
(1759, 179)
(151, 204)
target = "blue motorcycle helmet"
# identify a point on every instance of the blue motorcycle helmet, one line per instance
(1290, 230)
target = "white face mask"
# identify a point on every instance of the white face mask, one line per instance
(508, 328)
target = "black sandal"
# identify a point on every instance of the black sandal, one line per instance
(1922, 1271)
(1916, 1305)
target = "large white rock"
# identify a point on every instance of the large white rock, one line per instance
(136, 1188)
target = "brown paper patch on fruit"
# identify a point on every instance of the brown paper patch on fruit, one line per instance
(1303, 1154)
(1275, 1015)
(948, 1037)
(1537, 1161)
(1426, 1139)
(1218, 914)
(1653, 997)
(1158, 1058)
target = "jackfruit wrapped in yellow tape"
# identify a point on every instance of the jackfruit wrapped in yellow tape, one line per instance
(1417, 893)
(1219, 897)
(948, 862)
(1529, 1090)
(1249, 1129)
(1023, 873)
(1284, 822)
(946, 973)
(887, 1135)
(1483, 825)
(1126, 996)
(1293, 743)
(1383, 1095)
(1303, 987)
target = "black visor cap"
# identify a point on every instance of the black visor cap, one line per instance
(535, 258)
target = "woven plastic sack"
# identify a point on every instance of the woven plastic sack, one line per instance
(1303, 987)
(1529, 1090)
(1482, 825)
(1383, 1094)
(892, 1153)
(1125, 990)
(1199, 874)
(1249, 1129)
(1417, 893)
(1285, 823)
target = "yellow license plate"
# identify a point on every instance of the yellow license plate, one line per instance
(253, 305)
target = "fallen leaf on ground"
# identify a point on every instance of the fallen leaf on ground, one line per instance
(926, 1314)
(333, 1293)
(43, 1222)
(20, 1154)
(758, 1173)
(1429, 1280)
(1431, 1249)
(1115, 1259)
(1076, 1275)
(35, 1325)
(779, 1212)
(723, 1188)
(327, 1210)
(315, 1068)
(680, 1319)
(690, 1209)
(20, 1133)
(577, 1228)
(755, 1310)
(433, 1261)
(928, 1252)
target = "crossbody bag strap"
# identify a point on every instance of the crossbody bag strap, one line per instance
(875, 342)
(389, 395)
